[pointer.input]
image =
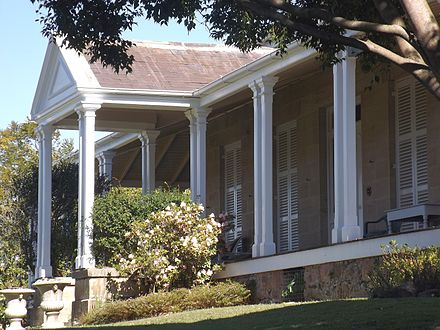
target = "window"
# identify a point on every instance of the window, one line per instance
(287, 187)
(411, 145)
(412, 169)
(233, 198)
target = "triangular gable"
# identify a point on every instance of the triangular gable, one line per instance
(62, 73)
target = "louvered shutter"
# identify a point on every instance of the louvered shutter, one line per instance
(287, 187)
(233, 195)
(412, 155)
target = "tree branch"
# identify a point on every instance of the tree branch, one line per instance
(426, 29)
(325, 15)
(420, 70)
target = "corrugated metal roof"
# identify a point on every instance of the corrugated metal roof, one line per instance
(175, 66)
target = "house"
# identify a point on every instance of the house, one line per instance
(304, 158)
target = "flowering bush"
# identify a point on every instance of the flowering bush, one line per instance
(173, 249)
(115, 212)
(227, 224)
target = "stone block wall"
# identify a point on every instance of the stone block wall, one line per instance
(335, 280)
(265, 287)
(338, 280)
(94, 286)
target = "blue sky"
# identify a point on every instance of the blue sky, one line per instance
(22, 51)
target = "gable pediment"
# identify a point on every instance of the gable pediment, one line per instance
(62, 73)
(61, 80)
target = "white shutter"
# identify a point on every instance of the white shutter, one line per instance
(411, 145)
(287, 187)
(233, 196)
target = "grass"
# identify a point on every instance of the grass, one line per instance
(407, 313)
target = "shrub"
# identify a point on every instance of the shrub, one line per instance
(173, 248)
(406, 271)
(114, 212)
(207, 296)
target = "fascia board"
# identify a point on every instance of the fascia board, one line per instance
(41, 79)
(114, 141)
(157, 100)
(109, 126)
(60, 110)
(110, 142)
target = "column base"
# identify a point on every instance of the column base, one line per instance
(87, 261)
(267, 249)
(351, 233)
(336, 236)
(255, 250)
(44, 272)
(78, 262)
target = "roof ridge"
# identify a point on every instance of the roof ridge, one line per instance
(200, 46)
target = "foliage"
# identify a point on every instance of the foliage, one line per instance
(227, 225)
(64, 214)
(173, 248)
(207, 296)
(18, 200)
(114, 212)
(413, 270)
(405, 33)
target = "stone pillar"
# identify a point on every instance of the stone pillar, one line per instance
(350, 229)
(267, 245)
(338, 153)
(257, 169)
(105, 167)
(193, 153)
(148, 145)
(43, 266)
(201, 115)
(86, 185)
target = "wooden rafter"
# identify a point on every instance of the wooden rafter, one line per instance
(130, 162)
(164, 148)
(180, 168)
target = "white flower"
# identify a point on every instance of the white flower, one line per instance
(209, 272)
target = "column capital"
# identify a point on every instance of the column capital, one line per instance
(87, 109)
(43, 131)
(190, 115)
(107, 154)
(149, 137)
(266, 84)
(351, 52)
(255, 88)
(201, 113)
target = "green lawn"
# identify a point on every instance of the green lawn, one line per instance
(408, 313)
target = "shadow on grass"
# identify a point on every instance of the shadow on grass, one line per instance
(410, 313)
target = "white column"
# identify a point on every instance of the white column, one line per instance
(201, 115)
(86, 185)
(148, 140)
(105, 167)
(350, 229)
(43, 266)
(257, 169)
(267, 245)
(338, 153)
(193, 153)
